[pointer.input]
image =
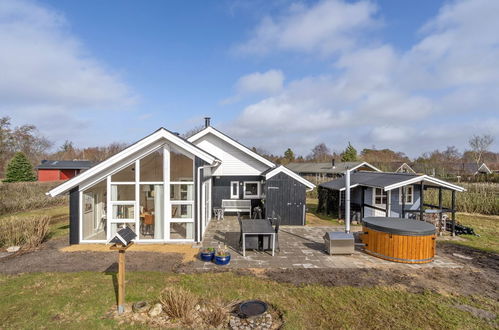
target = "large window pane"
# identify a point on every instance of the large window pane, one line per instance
(122, 192)
(181, 211)
(151, 211)
(124, 212)
(125, 175)
(181, 230)
(181, 192)
(94, 212)
(181, 167)
(151, 167)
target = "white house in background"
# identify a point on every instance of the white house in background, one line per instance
(165, 187)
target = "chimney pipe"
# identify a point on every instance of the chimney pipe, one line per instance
(207, 121)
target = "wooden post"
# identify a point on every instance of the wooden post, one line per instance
(421, 202)
(403, 202)
(453, 207)
(440, 209)
(121, 274)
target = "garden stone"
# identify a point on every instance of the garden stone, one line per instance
(140, 306)
(155, 310)
(13, 248)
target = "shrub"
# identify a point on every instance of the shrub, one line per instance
(19, 169)
(25, 196)
(178, 303)
(215, 313)
(25, 232)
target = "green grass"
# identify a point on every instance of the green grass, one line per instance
(312, 208)
(81, 300)
(486, 226)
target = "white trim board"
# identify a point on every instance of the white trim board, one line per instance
(425, 178)
(234, 143)
(292, 174)
(159, 135)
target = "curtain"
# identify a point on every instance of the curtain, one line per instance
(158, 211)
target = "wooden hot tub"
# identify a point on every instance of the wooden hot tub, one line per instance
(399, 240)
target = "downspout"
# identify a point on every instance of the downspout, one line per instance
(198, 208)
(347, 201)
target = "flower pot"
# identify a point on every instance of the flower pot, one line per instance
(207, 256)
(222, 260)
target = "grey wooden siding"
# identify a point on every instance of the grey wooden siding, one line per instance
(221, 188)
(285, 197)
(74, 216)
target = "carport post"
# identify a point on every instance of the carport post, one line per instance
(453, 213)
(347, 201)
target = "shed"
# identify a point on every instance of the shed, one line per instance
(54, 170)
(285, 196)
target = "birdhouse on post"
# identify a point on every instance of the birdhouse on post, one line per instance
(121, 242)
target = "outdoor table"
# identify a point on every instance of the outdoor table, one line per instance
(257, 227)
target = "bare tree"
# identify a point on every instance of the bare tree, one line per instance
(479, 145)
(193, 131)
(320, 153)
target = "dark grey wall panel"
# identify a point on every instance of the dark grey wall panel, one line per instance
(221, 188)
(74, 216)
(285, 197)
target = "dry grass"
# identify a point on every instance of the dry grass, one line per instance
(215, 313)
(25, 196)
(179, 303)
(188, 252)
(27, 232)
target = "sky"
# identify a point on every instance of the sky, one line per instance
(413, 76)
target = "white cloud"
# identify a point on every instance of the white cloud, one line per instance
(43, 66)
(423, 97)
(257, 83)
(327, 26)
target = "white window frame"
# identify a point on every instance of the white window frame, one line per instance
(234, 196)
(383, 193)
(407, 194)
(252, 196)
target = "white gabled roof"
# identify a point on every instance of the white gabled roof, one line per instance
(486, 167)
(161, 133)
(427, 178)
(365, 164)
(234, 143)
(292, 174)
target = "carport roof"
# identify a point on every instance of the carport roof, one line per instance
(387, 181)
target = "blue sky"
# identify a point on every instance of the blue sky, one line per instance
(412, 76)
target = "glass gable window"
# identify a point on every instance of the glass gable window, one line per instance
(94, 206)
(151, 167)
(181, 167)
(182, 192)
(125, 175)
(123, 192)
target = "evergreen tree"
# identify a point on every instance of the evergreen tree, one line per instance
(289, 155)
(350, 154)
(19, 169)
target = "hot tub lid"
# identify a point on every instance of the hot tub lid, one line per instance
(399, 226)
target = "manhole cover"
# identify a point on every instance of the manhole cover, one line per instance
(252, 308)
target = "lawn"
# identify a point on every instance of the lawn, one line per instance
(81, 300)
(487, 226)
(316, 218)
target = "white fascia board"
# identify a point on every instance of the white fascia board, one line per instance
(292, 174)
(365, 164)
(425, 178)
(407, 166)
(134, 148)
(488, 170)
(232, 142)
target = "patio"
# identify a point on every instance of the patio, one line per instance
(300, 247)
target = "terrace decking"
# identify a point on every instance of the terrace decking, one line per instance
(300, 247)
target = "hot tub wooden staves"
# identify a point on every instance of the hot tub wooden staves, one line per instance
(399, 240)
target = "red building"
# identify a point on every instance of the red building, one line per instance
(54, 170)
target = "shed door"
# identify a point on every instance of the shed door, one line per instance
(285, 198)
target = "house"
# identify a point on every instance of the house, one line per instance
(165, 187)
(54, 170)
(472, 169)
(386, 194)
(327, 170)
